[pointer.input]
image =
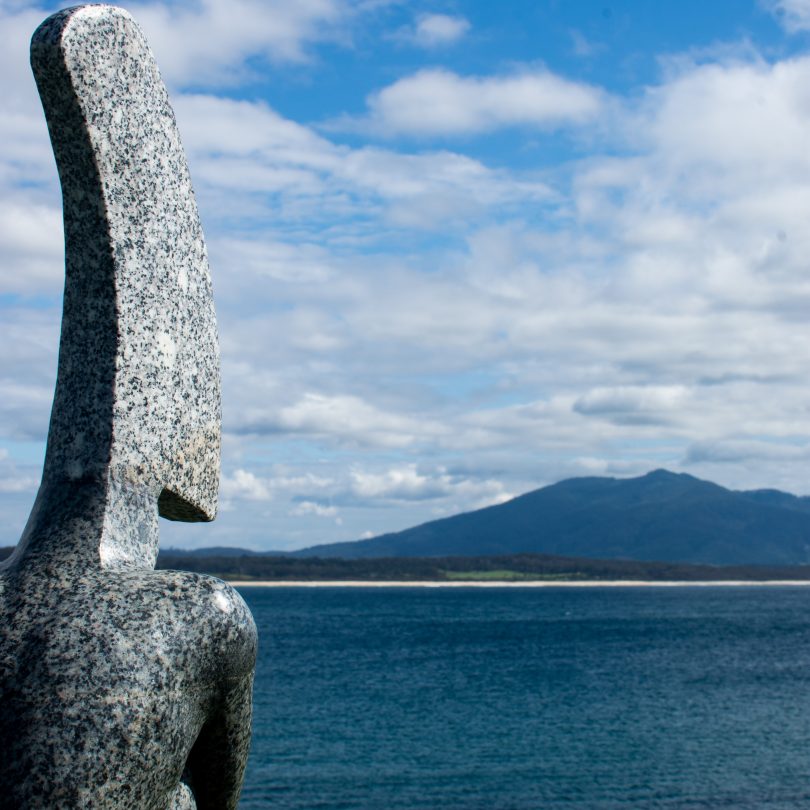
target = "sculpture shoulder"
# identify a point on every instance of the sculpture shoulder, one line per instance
(209, 590)
(195, 619)
(216, 611)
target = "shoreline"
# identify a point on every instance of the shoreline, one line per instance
(609, 583)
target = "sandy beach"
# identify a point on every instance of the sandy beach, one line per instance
(616, 583)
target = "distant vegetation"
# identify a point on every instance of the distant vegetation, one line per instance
(499, 568)
(509, 568)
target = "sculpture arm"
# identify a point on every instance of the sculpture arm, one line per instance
(217, 760)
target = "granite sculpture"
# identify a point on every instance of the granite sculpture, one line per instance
(120, 686)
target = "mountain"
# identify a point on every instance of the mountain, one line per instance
(659, 516)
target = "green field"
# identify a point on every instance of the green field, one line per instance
(505, 575)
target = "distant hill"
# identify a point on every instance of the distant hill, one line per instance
(660, 516)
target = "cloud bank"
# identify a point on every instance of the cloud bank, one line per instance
(470, 284)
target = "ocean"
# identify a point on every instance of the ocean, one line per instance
(521, 699)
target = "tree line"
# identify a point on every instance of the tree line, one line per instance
(421, 569)
(426, 569)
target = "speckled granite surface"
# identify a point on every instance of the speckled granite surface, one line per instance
(120, 686)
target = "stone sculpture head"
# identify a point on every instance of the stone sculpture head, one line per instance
(122, 686)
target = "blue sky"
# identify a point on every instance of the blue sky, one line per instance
(460, 250)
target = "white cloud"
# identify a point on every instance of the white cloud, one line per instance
(16, 478)
(348, 495)
(246, 151)
(793, 14)
(262, 258)
(343, 419)
(25, 408)
(435, 30)
(17, 25)
(243, 484)
(219, 37)
(31, 247)
(439, 102)
(633, 405)
(408, 483)
(709, 120)
(582, 46)
(734, 451)
(312, 508)
(403, 483)
(221, 126)
(411, 333)
(28, 180)
(27, 484)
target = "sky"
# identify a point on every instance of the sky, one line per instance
(460, 250)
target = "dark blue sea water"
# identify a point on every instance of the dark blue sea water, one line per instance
(513, 699)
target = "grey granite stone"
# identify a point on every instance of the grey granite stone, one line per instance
(121, 686)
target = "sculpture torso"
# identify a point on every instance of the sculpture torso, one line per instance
(108, 680)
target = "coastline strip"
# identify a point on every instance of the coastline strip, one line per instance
(612, 583)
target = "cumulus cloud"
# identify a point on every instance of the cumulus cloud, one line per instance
(343, 419)
(438, 102)
(793, 14)
(244, 484)
(435, 30)
(312, 508)
(265, 258)
(275, 168)
(408, 483)
(708, 120)
(403, 483)
(412, 332)
(220, 36)
(345, 496)
(631, 405)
